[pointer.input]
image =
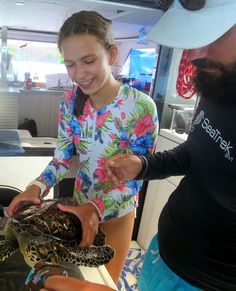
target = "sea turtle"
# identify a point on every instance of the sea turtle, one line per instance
(43, 232)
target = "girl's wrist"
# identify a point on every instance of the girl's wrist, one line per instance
(38, 188)
(99, 207)
(34, 190)
(96, 210)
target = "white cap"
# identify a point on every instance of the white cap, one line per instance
(181, 28)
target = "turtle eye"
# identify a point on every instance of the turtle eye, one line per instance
(43, 251)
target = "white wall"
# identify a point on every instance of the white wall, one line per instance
(20, 171)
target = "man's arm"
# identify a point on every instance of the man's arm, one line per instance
(122, 167)
(161, 165)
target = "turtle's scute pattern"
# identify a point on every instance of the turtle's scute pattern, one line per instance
(43, 232)
(48, 219)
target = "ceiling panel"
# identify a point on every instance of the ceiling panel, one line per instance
(144, 3)
(48, 15)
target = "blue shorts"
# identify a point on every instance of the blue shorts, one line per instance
(156, 275)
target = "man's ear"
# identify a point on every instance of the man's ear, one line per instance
(113, 55)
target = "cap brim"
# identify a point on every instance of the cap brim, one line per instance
(181, 28)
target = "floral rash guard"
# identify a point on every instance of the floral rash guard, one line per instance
(127, 125)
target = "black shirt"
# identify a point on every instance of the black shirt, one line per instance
(197, 226)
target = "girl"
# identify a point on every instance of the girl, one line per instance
(98, 118)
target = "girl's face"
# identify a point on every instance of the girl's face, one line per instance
(87, 62)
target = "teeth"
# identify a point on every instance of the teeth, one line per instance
(85, 82)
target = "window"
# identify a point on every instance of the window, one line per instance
(0, 58)
(139, 68)
(37, 59)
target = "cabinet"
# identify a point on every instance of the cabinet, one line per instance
(42, 106)
(158, 191)
(9, 103)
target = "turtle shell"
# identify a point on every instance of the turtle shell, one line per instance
(44, 233)
(47, 219)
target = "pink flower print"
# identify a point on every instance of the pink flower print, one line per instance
(123, 144)
(112, 136)
(57, 163)
(81, 164)
(78, 184)
(119, 102)
(123, 115)
(100, 204)
(101, 162)
(87, 109)
(68, 96)
(121, 187)
(101, 174)
(144, 125)
(76, 139)
(101, 118)
(69, 131)
(67, 162)
(81, 118)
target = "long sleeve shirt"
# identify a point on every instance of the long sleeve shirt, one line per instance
(197, 226)
(129, 124)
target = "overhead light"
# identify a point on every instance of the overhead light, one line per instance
(20, 3)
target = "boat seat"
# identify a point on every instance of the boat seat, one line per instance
(7, 193)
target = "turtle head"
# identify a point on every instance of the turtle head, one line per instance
(36, 248)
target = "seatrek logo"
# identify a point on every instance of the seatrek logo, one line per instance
(213, 133)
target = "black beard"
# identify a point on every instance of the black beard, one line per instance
(217, 88)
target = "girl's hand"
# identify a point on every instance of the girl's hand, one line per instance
(89, 218)
(29, 196)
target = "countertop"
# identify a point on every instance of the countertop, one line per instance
(32, 90)
(42, 90)
(173, 135)
(37, 146)
(12, 90)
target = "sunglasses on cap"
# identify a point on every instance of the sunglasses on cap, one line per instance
(191, 5)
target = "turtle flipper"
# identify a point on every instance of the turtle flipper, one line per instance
(7, 248)
(89, 256)
(100, 238)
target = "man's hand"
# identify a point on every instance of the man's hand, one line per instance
(122, 167)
